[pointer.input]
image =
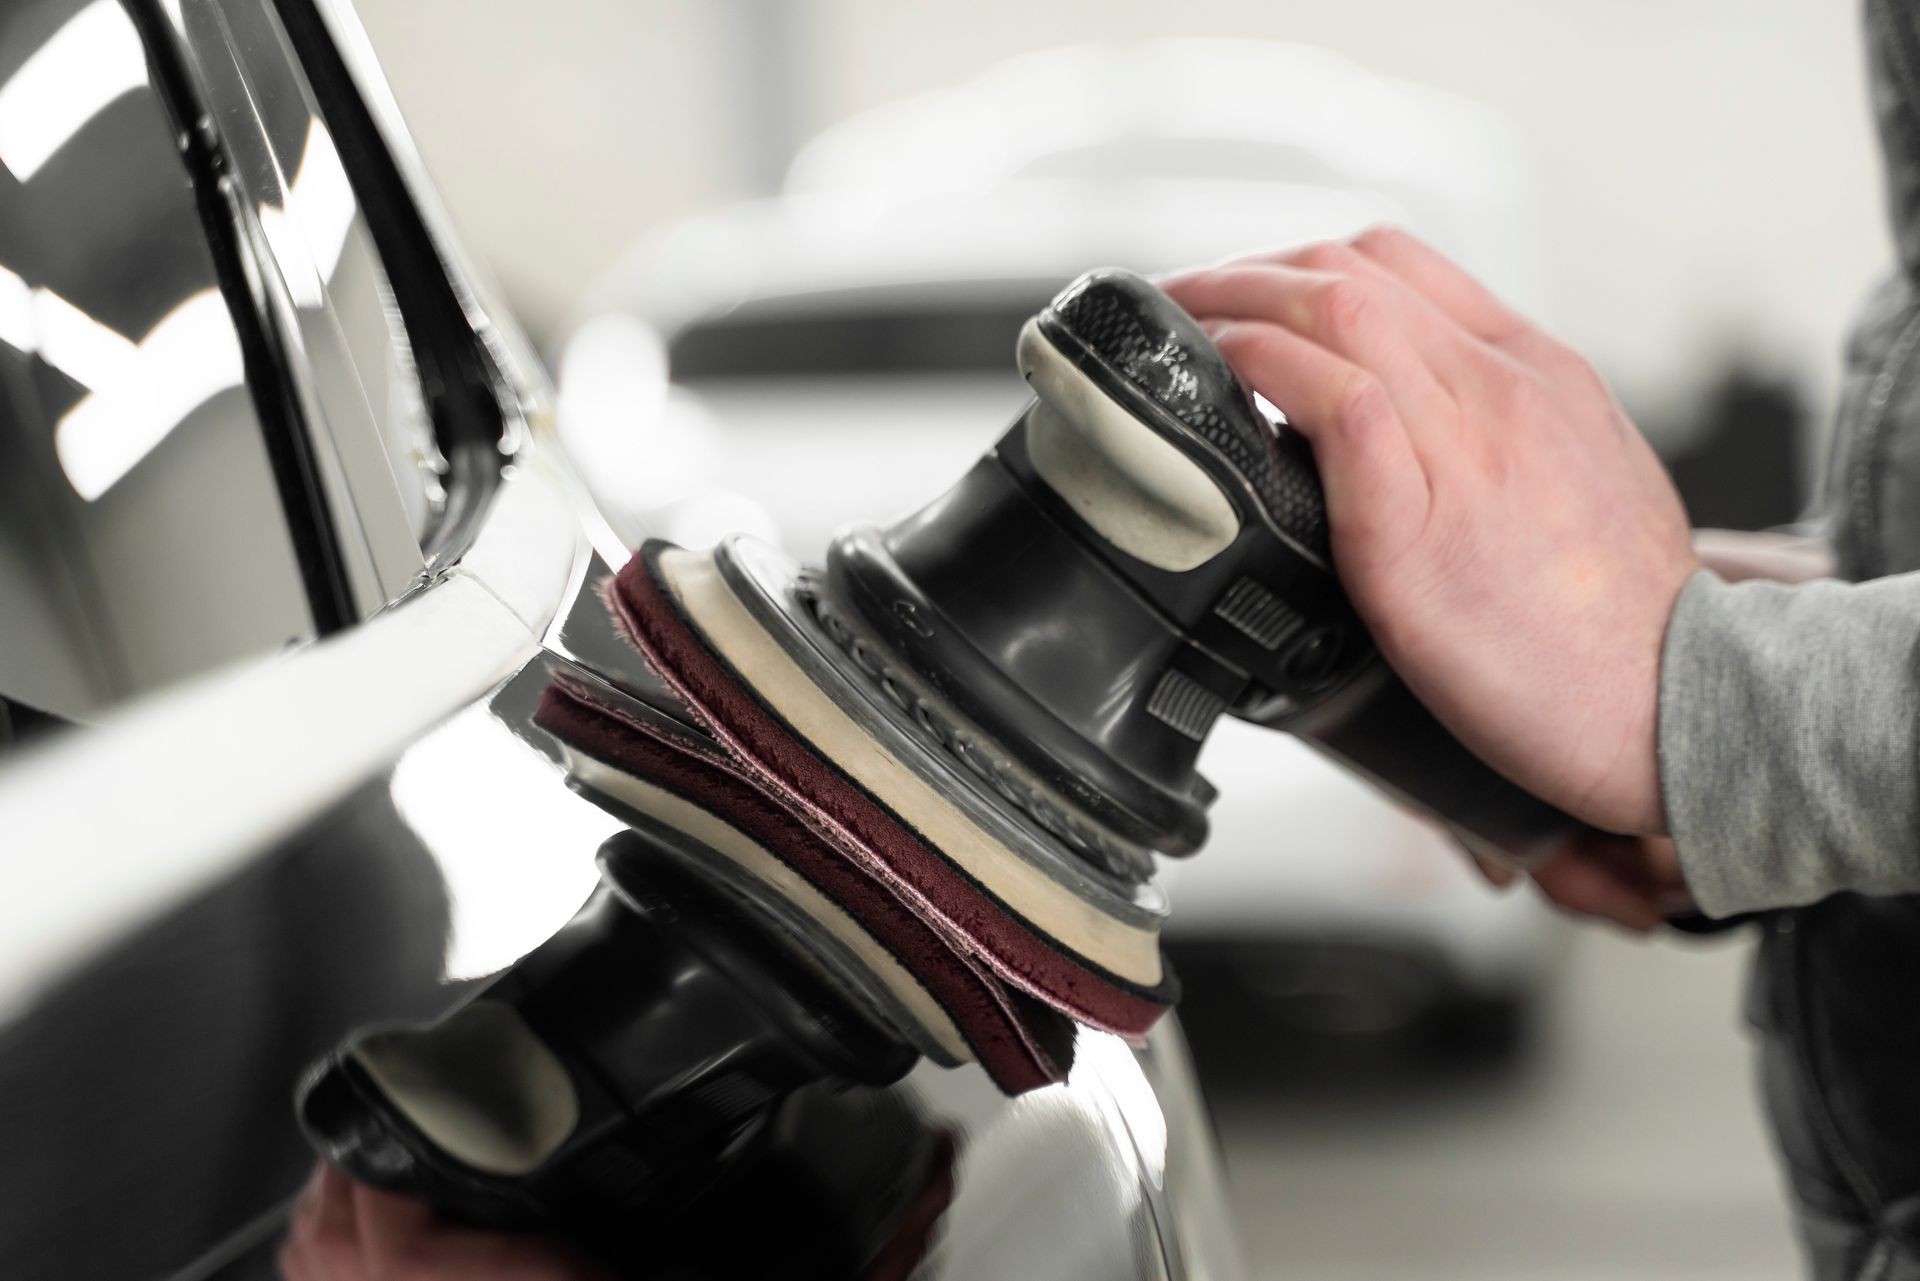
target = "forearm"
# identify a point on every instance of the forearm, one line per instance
(1788, 722)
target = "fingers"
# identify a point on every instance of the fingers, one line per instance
(1342, 301)
(390, 1226)
(345, 1231)
(1366, 462)
(1501, 876)
(1590, 890)
(1471, 305)
(322, 1237)
(1432, 329)
(1655, 862)
(488, 1256)
(1435, 277)
(1498, 875)
(1607, 876)
(1635, 882)
(1362, 316)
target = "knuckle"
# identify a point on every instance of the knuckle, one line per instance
(1342, 308)
(1237, 344)
(1324, 255)
(1515, 393)
(1578, 373)
(1380, 236)
(1362, 404)
(1249, 353)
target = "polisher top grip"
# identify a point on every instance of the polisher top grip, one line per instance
(1140, 336)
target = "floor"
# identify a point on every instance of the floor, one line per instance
(1624, 1144)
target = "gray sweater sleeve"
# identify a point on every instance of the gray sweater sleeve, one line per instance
(1790, 739)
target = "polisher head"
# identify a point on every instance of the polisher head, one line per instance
(847, 752)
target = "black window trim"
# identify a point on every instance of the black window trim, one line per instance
(462, 385)
(270, 380)
(463, 388)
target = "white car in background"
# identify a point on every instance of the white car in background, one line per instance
(843, 351)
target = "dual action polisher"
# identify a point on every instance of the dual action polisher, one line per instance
(919, 790)
(974, 729)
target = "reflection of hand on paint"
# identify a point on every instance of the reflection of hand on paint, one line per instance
(346, 1231)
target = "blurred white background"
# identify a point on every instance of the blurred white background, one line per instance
(1705, 191)
(1706, 175)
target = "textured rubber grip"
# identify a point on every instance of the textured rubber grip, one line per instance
(1140, 334)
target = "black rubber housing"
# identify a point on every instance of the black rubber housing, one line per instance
(1103, 673)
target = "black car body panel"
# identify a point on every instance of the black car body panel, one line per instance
(287, 553)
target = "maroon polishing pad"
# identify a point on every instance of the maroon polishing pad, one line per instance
(853, 820)
(1021, 1045)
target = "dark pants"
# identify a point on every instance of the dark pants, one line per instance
(1835, 1004)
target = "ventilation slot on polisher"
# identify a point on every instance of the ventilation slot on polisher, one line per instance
(1185, 704)
(1263, 617)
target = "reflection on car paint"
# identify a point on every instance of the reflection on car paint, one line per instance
(354, 834)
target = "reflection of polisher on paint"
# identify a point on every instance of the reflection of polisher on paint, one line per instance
(933, 775)
(666, 1057)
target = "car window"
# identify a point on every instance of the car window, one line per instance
(142, 534)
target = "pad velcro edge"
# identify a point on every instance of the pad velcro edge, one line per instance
(1020, 1045)
(849, 817)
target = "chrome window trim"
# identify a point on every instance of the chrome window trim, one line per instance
(380, 566)
(493, 389)
(513, 355)
(241, 72)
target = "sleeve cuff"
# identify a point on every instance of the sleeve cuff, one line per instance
(1787, 734)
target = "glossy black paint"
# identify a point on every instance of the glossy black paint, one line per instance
(145, 1102)
(316, 874)
(111, 589)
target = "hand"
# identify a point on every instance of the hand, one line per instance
(1505, 532)
(1633, 881)
(346, 1231)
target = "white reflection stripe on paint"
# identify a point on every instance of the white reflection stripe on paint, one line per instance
(92, 354)
(17, 329)
(188, 357)
(68, 81)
